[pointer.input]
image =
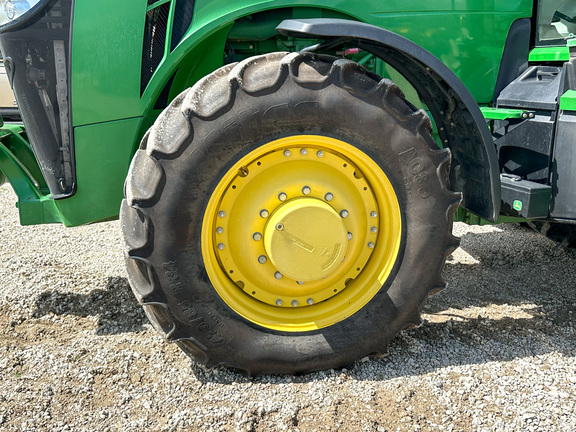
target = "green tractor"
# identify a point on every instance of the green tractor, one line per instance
(291, 169)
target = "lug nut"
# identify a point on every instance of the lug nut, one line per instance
(257, 236)
(371, 245)
(300, 283)
(319, 153)
(303, 152)
(374, 230)
(328, 197)
(278, 275)
(349, 236)
(282, 196)
(221, 246)
(310, 301)
(278, 302)
(221, 213)
(306, 190)
(279, 226)
(262, 259)
(294, 303)
(344, 213)
(219, 230)
(287, 153)
(373, 214)
(264, 213)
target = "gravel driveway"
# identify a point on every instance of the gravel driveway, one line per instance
(496, 351)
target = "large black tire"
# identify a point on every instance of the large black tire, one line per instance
(224, 117)
(563, 234)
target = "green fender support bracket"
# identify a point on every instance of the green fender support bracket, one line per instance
(505, 114)
(18, 165)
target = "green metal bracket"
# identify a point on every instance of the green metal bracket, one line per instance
(547, 54)
(568, 101)
(463, 215)
(34, 205)
(505, 114)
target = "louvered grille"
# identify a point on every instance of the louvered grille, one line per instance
(154, 42)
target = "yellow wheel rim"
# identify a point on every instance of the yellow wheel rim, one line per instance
(301, 233)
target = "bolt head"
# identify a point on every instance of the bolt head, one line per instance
(219, 230)
(344, 213)
(282, 196)
(349, 236)
(300, 283)
(279, 226)
(306, 190)
(287, 153)
(262, 259)
(371, 245)
(278, 275)
(222, 213)
(278, 302)
(303, 152)
(373, 214)
(294, 303)
(320, 153)
(220, 246)
(328, 197)
(257, 236)
(373, 229)
(264, 213)
(310, 301)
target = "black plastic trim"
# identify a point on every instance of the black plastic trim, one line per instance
(461, 126)
(515, 56)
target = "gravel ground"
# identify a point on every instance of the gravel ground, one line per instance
(495, 353)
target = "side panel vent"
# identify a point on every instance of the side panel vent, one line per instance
(183, 14)
(154, 42)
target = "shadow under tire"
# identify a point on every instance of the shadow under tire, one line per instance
(288, 213)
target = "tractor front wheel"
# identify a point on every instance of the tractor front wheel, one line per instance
(288, 213)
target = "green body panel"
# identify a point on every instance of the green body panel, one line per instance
(568, 101)
(504, 113)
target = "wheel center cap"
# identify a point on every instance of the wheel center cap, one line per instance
(305, 239)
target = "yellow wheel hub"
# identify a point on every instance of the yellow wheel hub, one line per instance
(301, 233)
(305, 239)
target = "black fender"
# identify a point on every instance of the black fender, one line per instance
(461, 126)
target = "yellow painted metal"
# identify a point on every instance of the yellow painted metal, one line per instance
(329, 192)
(305, 238)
